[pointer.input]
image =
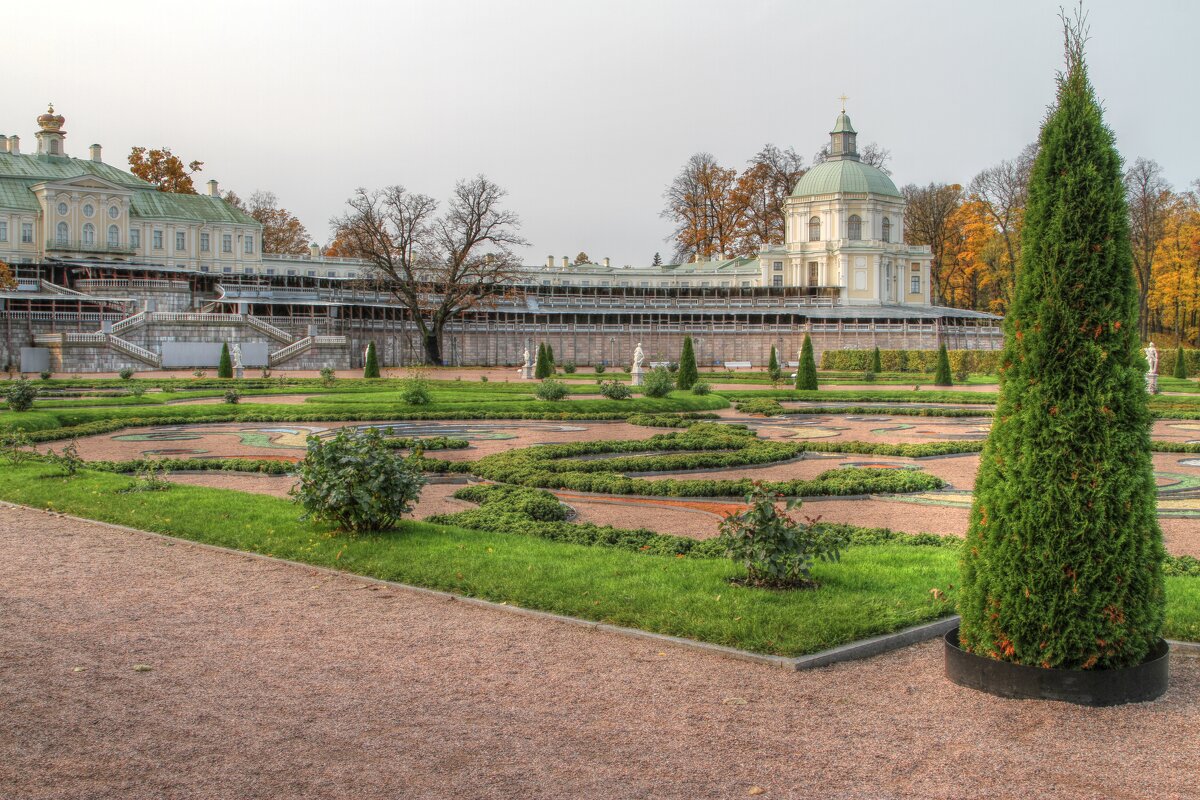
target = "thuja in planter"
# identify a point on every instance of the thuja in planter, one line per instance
(1062, 566)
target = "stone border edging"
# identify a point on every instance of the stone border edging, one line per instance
(851, 651)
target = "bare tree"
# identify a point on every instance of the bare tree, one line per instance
(437, 266)
(1001, 191)
(928, 219)
(1149, 198)
(872, 154)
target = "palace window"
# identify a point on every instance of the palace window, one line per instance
(62, 209)
(89, 234)
(270, 270)
(312, 273)
(204, 267)
(854, 227)
(114, 212)
(887, 229)
(778, 266)
(226, 243)
(814, 229)
(331, 274)
(249, 244)
(291, 272)
(813, 273)
(114, 236)
(180, 241)
(26, 233)
(135, 237)
(227, 270)
(3, 230)
(54, 147)
(60, 233)
(204, 243)
(777, 280)
(156, 240)
(915, 286)
(89, 210)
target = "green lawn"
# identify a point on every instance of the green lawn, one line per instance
(874, 589)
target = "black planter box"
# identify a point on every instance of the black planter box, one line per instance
(1100, 687)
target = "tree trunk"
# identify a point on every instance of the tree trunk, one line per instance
(431, 341)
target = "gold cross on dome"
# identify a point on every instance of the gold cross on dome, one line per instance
(843, 98)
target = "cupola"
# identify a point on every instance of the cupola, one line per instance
(50, 136)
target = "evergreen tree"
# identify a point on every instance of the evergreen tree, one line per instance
(876, 362)
(773, 365)
(1180, 364)
(806, 373)
(688, 375)
(1063, 561)
(543, 368)
(225, 367)
(371, 369)
(657, 260)
(550, 356)
(942, 376)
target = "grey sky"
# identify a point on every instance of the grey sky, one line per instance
(584, 111)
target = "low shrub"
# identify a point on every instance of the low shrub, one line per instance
(20, 395)
(414, 390)
(46, 375)
(768, 408)
(232, 396)
(551, 390)
(328, 376)
(67, 459)
(615, 390)
(356, 482)
(126, 373)
(569, 367)
(868, 377)
(658, 383)
(136, 391)
(701, 389)
(777, 550)
(599, 369)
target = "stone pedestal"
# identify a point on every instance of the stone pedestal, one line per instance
(527, 372)
(239, 373)
(1152, 383)
(639, 377)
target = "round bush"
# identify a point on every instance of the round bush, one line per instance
(232, 396)
(701, 388)
(126, 373)
(569, 367)
(615, 390)
(599, 369)
(551, 389)
(357, 482)
(414, 390)
(20, 395)
(659, 383)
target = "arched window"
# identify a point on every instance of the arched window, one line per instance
(814, 229)
(114, 236)
(887, 229)
(854, 227)
(89, 234)
(54, 147)
(60, 233)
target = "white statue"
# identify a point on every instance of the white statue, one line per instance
(525, 361)
(526, 370)
(1152, 356)
(638, 358)
(235, 353)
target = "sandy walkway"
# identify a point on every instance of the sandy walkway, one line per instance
(272, 681)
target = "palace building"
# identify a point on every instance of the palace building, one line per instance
(112, 272)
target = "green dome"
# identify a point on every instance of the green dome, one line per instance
(844, 175)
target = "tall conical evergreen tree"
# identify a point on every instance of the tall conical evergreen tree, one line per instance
(876, 362)
(371, 368)
(688, 374)
(543, 368)
(1063, 560)
(550, 356)
(1180, 364)
(225, 365)
(773, 365)
(942, 377)
(806, 373)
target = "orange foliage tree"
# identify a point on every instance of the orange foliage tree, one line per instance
(164, 169)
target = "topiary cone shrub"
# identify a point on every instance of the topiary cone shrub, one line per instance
(225, 367)
(543, 369)
(806, 373)
(773, 370)
(876, 362)
(371, 368)
(688, 375)
(942, 376)
(1062, 565)
(1180, 364)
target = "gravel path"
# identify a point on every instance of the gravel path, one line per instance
(272, 681)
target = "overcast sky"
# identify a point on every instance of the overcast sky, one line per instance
(584, 111)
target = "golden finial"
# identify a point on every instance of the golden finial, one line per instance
(50, 109)
(843, 98)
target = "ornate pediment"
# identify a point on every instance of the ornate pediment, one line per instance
(83, 183)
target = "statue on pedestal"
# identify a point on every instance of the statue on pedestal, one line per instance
(235, 354)
(526, 364)
(1151, 353)
(638, 358)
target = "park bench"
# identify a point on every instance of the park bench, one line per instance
(738, 365)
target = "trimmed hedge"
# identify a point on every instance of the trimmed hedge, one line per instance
(974, 361)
